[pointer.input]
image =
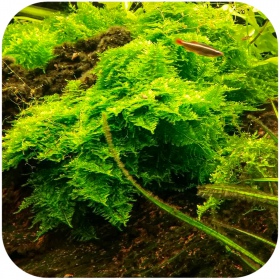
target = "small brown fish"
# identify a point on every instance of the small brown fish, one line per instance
(199, 48)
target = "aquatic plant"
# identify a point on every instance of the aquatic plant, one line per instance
(249, 77)
(246, 173)
(151, 111)
(169, 111)
(245, 158)
(237, 192)
(168, 208)
(31, 43)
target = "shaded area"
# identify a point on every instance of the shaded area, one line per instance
(266, 115)
(154, 244)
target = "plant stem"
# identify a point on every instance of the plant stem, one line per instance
(168, 208)
(274, 108)
(240, 192)
(260, 32)
(271, 134)
(37, 12)
(247, 233)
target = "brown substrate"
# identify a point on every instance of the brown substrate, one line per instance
(71, 62)
(266, 115)
(154, 244)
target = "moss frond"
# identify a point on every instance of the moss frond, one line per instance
(169, 110)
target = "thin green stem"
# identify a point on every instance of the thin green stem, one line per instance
(260, 32)
(247, 233)
(274, 108)
(271, 134)
(37, 12)
(168, 208)
(242, 192)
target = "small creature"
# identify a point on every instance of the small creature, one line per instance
(199, 48)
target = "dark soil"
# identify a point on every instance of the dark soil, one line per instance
(154, 244)
(72, 61)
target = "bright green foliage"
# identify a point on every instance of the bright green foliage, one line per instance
(212, 203)
(51, 198)
(32, 43)
(167, 109)
(162, 125)
(84, 22)
(248, 76)
(171, 209)
(258, 28)
(247, 158)
(253, 84)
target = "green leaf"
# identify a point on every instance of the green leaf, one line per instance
(273, 60)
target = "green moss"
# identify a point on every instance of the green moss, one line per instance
(158, 122)
(167, 109)
(32, 43)
(247, 158)
(251, 78)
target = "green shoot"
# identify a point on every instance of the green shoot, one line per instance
(168, 208)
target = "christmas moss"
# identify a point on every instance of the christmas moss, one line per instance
(248, 68)
(246, 158)
(32, 43)
(163, 125)
(168, 110)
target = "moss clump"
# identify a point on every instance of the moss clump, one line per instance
(250, 77)
(168, 110)
(162, 126)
